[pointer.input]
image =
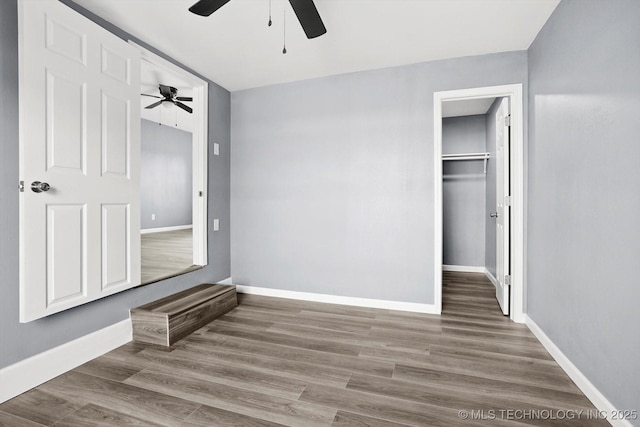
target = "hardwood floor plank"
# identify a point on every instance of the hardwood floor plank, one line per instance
(349, 419)
(491, 336)
(39, 406)
(349, 363)
(428, 325)
(395, 356)
(108, 368)
(514, 347)
(294, 319)
(453, 399)
(342, 318)
(300, 305)
(96, 416)
(553, 377)
(207, 416)
(223, 373)
(286, 340)
(245, 402)
(256, 325)
(509, 359)
(507, 328)
(277, 366)
(350, 338)
(477, 318)
(121, 397)
(10, 420)
(504, 389)
(381, 407)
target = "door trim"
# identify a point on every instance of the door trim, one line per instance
(200, 152)
(515, 94)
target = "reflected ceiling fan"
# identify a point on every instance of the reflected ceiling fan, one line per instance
(305, 11)
(170, 94)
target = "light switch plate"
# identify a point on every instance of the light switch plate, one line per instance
(216, 224)
(216, 149)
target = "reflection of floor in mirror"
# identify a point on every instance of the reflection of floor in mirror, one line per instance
(166, 254)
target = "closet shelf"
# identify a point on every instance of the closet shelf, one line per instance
(468, 156)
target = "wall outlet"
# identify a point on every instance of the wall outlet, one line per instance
(153, 217)
(216, 224)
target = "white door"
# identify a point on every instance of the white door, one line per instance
(503, 205)
(80, 134)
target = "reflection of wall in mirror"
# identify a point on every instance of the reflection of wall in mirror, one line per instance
(166, 176)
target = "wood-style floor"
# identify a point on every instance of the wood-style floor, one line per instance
(278, 362)
(166, 254)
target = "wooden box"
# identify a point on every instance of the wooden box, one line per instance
(169, 319)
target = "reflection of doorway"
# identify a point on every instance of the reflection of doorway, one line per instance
(173, 172)
(513, 278)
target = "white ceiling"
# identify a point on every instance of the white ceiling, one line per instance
(466, 107)
(235, 48)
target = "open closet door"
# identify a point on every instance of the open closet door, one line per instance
(79, 160)
(503, 205)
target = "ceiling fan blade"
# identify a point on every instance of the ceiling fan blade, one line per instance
(184, 107)
(184, 98)
(154, 105)
(207, 7)
(153, 96)
(309, 17)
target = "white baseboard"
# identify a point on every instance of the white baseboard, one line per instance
(226, 281)
(335, 299)
(491, 277)
(161, 229)
(35, 370)
(463, 268)
(593, 394)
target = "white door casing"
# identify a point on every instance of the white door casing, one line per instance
(514, 92)
(502, 207)
(80, 133)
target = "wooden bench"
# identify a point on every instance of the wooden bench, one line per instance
(169, 319)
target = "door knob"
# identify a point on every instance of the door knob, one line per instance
(39, 187)
(493, 214)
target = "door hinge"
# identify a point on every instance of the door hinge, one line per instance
(507, 280)
(21, 186)
(507, 200)
(507, 120)
(199, 193)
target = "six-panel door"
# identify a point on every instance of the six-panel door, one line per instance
(80, 133)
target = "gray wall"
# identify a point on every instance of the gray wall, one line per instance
(332, 178)
(166, 176)
(19, 341)
(584, 190)
(490, 195)
(463, 192)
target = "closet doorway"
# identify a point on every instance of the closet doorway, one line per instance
(478, 140)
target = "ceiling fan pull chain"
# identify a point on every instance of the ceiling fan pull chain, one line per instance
(284, 31)
(270, 13)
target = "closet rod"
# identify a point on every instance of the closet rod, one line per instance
(468, 156)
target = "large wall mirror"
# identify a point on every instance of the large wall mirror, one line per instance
(172, 162)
